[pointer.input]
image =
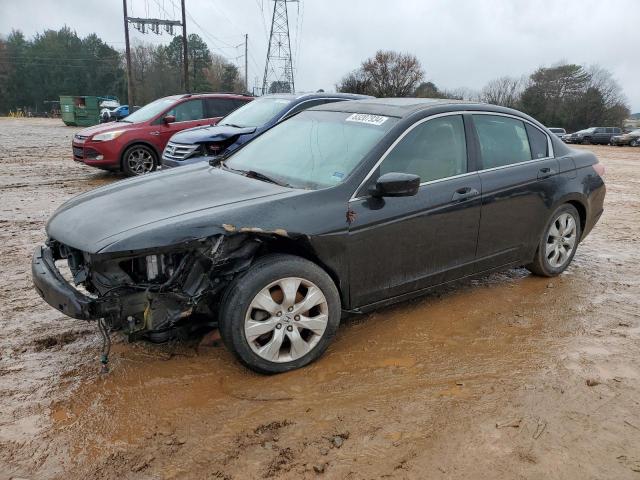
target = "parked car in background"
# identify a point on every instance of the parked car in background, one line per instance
(135, 143)
(632, 138)
(114, 114)
(595, 135)
(345, 207)
(558, 132)
(198, 144)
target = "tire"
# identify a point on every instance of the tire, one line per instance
(138, 160)
(550, 261)
(633, 143)
(277, 327)
(586, 141)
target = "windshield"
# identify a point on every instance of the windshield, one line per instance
(256, 113)
(314, 149)
(150, 110)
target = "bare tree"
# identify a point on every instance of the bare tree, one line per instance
(504, 91)
(386, 74)
(393, 74)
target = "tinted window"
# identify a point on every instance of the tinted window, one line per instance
(503, 140)
(219, 107)
(189, 110)
(537, 141)
(434, 149)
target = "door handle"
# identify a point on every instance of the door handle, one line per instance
(155, 132)
(546, 172)
(463, 194)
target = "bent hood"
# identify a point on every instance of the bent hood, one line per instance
(159, 209)
(215, 133)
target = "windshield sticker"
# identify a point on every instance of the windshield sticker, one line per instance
(282, 101)
(366, 118)
(338, 175)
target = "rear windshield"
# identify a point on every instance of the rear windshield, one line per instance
(256, 113)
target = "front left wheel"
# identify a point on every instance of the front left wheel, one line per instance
(280, 315)
(138, 160)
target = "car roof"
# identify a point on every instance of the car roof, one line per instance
(314, 95)
(404, 107)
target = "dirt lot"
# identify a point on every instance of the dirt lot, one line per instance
(510, 376)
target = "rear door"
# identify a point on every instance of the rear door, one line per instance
(600, 135)
(519, 176)
(400, 245)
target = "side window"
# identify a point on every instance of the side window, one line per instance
(190, 110)
(433, 150)
(219, 107)
(537, 141)
(503, 140)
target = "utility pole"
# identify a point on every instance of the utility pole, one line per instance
(278, 69)
(246, 62)
(154, 25)
(185, 62)
(128, 55)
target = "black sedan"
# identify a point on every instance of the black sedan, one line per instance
(338, 210)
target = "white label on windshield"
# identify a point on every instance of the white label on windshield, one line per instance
(366, 118)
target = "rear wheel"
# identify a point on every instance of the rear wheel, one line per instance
(558, 243)
(280, 315)
(138, 160)
(634, 143)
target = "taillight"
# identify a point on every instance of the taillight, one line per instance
(599, 168)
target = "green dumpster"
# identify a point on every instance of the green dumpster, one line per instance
(80, 111)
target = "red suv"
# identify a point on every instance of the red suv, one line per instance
(135, 143)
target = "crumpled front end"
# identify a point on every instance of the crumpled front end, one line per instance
(147, 294)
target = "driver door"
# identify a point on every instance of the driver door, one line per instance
(398, 245)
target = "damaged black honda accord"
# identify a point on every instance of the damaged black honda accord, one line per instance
(340, 209)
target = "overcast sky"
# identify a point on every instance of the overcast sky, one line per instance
(460, 43)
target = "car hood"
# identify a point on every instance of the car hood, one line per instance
(104, 127)
(165, 208)
(214, 133)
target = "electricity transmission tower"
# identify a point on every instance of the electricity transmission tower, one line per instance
(278, 69)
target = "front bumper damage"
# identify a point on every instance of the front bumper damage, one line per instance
(142, 297)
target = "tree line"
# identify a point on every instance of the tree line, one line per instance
(36, 71)
(565, 95)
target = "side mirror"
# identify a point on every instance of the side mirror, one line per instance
(395, 184)
(169, 119)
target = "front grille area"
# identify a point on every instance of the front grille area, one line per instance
(179, 151)
(78, 152)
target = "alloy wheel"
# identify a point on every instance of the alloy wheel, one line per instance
(286, 319)
(140, 161)
(561, 240)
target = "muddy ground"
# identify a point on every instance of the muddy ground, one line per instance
(510, 376)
